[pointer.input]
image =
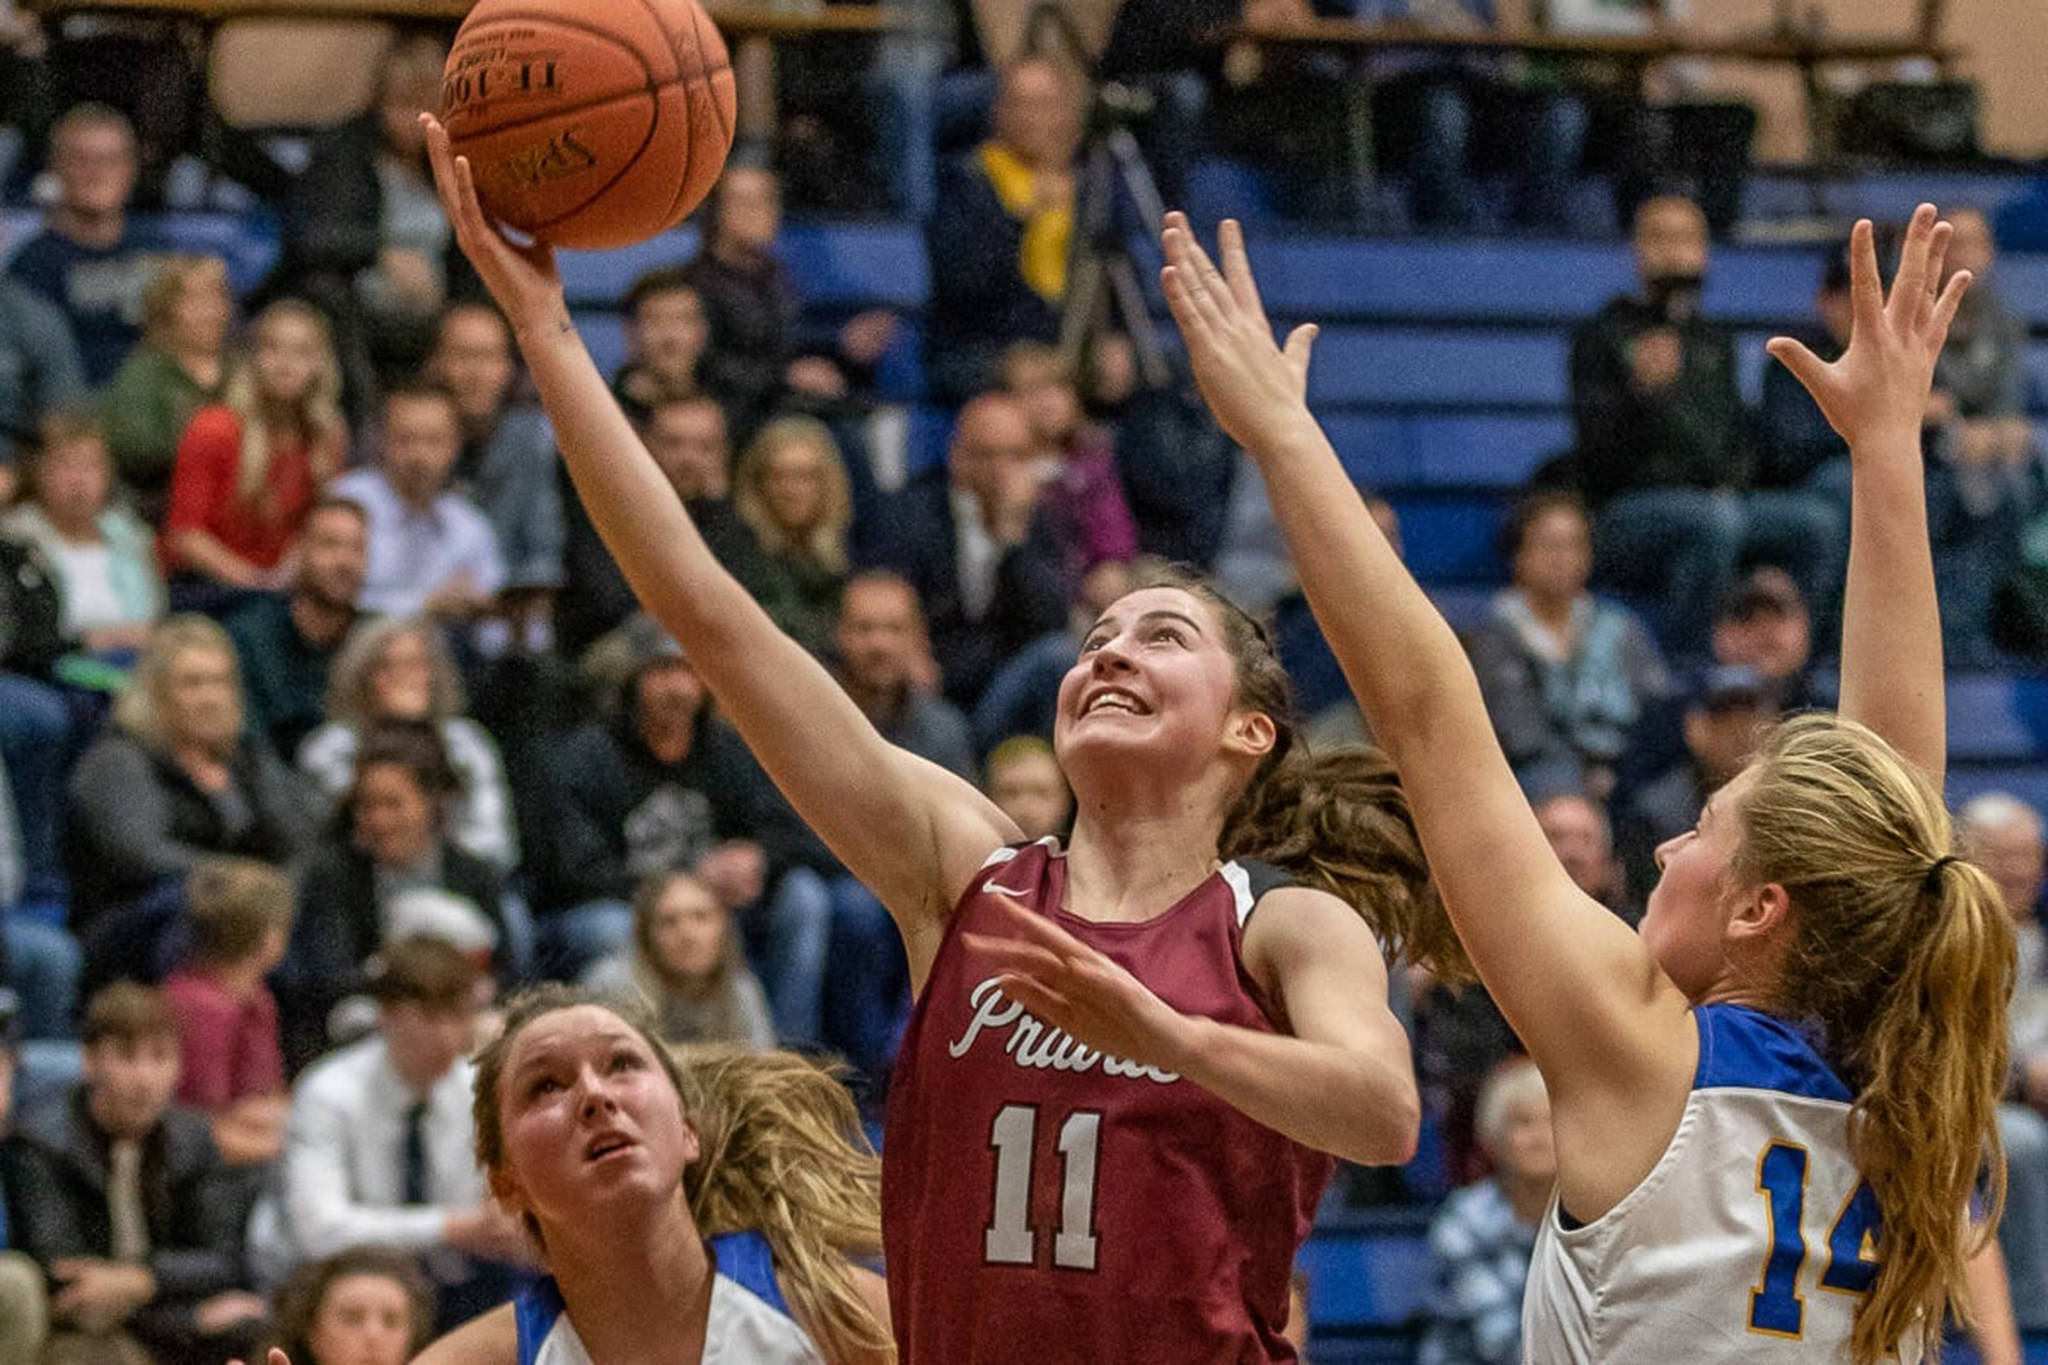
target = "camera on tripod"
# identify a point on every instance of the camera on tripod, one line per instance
(1115, 198)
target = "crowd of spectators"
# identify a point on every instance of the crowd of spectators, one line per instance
(325, 716)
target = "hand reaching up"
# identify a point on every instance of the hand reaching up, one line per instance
(1879, 387)
(522, 279)
(1258, 390)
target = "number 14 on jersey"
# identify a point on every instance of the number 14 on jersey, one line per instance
(1776, 1306)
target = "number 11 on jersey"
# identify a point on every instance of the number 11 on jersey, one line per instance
(1010, 1239)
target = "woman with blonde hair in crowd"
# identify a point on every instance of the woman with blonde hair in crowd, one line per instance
(792, 492)
(181, 365)
(684, 963)
(399, 668)
(249, 469)
(171, 781)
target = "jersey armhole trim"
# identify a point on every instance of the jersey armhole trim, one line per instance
(1667, 1161)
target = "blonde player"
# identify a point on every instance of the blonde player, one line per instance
(1771, 1105)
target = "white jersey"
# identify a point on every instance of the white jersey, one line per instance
(1752, 1239)
(750, 1324)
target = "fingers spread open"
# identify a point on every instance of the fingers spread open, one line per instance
(1945, 309)
(1808, 368)
(1237, 269)
(1300, 342)
(1912, 278)
(1937, 261)
(1865, 291)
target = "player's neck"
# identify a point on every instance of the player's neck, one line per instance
(634, 1297)
(1134, 868)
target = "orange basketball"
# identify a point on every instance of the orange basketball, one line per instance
(589, 123)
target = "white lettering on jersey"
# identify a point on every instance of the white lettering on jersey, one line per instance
(1033, 1045)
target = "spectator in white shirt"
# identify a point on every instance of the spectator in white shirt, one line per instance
(378, 1148)
(431, 550)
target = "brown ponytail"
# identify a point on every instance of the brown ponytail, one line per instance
(1337, 821)
(1903, 955)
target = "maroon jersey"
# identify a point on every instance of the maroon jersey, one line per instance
(1044, 1202)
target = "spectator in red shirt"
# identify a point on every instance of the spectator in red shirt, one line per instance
(249, 469)
(233, 1066)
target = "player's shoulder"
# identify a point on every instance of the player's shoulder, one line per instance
(492, 1339)
(1747, 1049)
(1272, 897)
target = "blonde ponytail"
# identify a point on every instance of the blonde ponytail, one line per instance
(784, 1156)
(1903, 955)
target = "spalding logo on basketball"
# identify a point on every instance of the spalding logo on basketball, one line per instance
(589, 125)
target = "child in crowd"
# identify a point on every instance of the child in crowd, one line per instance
(1024, 779)
(232, 1064)
(1083, 498)
(1483, 1236)
(685, 963)
(368, 1306)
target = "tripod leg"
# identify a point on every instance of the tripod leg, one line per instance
(1083, 305)
(1136, 319)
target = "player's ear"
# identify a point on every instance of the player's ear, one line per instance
(1252, 733)
(1764, 910)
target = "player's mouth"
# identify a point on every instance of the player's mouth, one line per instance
(1113, 701)
(607, 1145)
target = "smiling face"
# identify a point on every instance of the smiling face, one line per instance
(289, 354)
(1156, 679)
(1686, 921)
(593, 1126)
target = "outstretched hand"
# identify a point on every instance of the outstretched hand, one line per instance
(276, 1357)
(1880, 384)
(1066, 983)
(1255, 387)
(522, 279)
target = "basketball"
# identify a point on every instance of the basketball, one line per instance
(589, 125)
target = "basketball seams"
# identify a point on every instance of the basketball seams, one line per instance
(647, 82)
(651, 86)
(626, 165)
(686, 82)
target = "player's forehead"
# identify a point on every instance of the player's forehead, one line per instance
(1161, 600)
(567, 1034)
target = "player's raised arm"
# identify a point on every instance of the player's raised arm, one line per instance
(1875, 397)
(1578, 986)
(912, 831)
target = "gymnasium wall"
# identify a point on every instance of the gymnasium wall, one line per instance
(2007, 53)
